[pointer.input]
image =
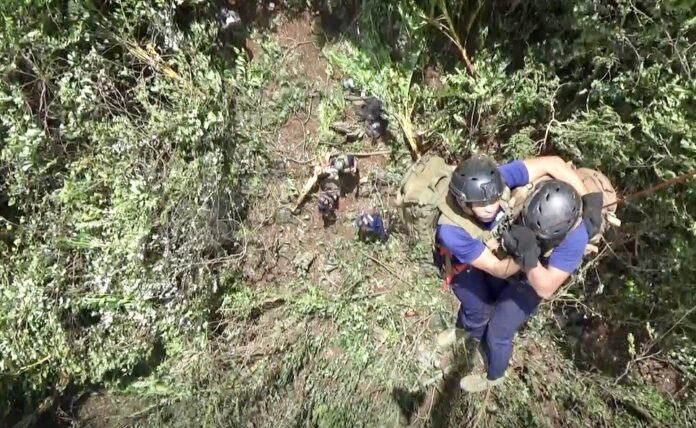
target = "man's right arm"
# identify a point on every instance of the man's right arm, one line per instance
(491, 264)
(474, 253)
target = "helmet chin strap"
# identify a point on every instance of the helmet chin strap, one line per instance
(467, 210)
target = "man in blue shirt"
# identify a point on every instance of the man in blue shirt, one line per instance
(494, 304)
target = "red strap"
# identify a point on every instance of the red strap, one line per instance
(447, 283)
(456, 269)
(461, 267)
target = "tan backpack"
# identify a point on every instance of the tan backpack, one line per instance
(594, 181)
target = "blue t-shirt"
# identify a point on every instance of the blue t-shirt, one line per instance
(567, 256)
(465, 249)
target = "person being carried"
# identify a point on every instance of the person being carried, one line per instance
(498, 295)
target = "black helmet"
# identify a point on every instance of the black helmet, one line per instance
(477, 180)
(551, 211)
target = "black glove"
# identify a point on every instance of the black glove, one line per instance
(592, 212)
(521, 244)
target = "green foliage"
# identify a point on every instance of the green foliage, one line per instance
(133, 143)
(126, 168)
(606, 86)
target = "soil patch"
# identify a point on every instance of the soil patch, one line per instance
(599, 345)
(291, 144)
(105, 410)
(298, 38)
(287, 244)
(661, 375)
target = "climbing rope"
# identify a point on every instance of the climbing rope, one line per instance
(652, 189)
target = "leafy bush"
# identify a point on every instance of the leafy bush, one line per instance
(132, 138)
(125, 167)
(606, 86)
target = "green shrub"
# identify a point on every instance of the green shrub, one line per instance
(132, 139)
(606, 86)
(126, 166)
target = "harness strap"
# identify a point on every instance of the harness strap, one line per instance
(451, 270)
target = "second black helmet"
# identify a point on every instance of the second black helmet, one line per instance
(551, 211)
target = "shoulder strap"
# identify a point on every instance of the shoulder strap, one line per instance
(507, 201)
(452, 214)
(518, 196)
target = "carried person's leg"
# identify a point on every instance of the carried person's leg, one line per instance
(495, 287)
(516, 304)
(474, 293)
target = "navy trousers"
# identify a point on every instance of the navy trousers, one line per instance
(491, 311)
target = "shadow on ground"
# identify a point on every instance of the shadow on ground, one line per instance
(434, 403)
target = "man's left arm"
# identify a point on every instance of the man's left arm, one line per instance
(545, 281)
(556, 168)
